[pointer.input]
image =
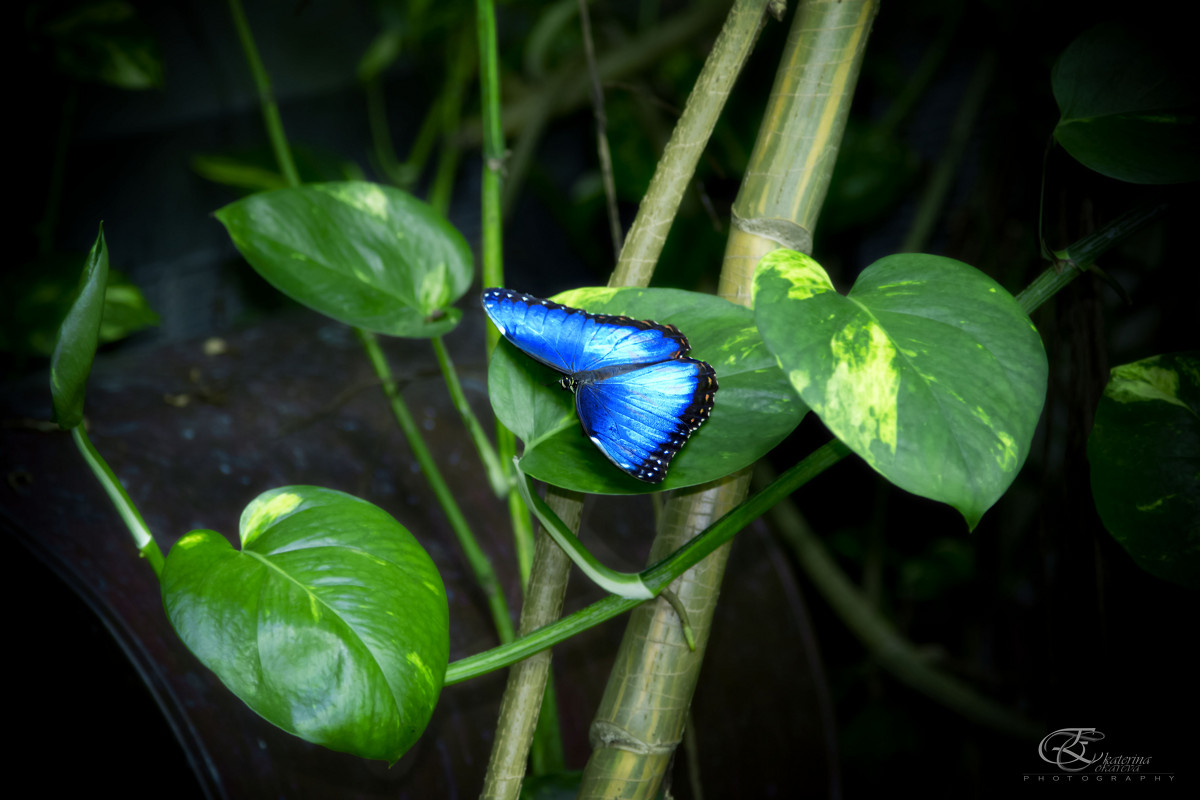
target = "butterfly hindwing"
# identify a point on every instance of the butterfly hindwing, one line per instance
(640, 419)
(637, 395)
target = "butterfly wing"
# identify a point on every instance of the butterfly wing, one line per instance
(572, 341)
(640, 418)
(638, 397)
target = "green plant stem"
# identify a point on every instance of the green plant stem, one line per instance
(657, 576)
(487, 454)
(518, 515)
(132, 518)
(266, 98)
(678, 162)
(526, 692)
(547, 755)
(491, 249)
(1081, 256)
(622, 584)
(480, 565)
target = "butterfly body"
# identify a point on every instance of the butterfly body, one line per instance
(638, 396)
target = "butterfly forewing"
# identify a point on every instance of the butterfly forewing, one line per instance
(571, 340)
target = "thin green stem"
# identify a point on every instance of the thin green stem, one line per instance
(658, 576)
(497, 477)
(1083, 253)
(480, 564)
(681, 611)
(132, 518)
(526, 646)
(518, 513)
(270, 111)
(493, 151)
(1081, 256)
(491, 249)
(622, 584)
(541, 579)
(546, 752)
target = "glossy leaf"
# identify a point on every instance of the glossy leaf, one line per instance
(238, 173)
(755, 409)
(126, 310)
(363, 254)
(256, 169)
(1144, 452)
(331, 621)
(1129, 111)
(927, 369)
(78, 337)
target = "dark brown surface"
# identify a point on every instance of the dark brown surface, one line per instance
(195, 437)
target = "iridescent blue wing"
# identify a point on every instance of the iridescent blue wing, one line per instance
(571, 340)
(638, 396)
(641, 418)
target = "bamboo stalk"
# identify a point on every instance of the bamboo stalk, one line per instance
(641, 719)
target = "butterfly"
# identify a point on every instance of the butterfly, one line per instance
(638, 396)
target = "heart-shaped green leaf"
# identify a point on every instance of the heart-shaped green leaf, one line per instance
(78, 336)
(1144, 451)
(754, 410)
(1129, 104)
(366, 255)
(331, 621)
(927, 369)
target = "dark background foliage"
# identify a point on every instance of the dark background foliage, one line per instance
(1038, 607)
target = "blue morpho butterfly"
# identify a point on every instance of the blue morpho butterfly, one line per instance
(638, 395)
